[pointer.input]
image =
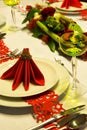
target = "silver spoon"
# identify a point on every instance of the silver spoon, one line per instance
(78, 122)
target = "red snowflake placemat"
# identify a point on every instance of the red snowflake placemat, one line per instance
(45, 106)
(3, 51)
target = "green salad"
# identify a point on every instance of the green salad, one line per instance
(49, 25)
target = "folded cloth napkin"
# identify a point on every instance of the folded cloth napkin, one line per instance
(67, 3)
(24, 70)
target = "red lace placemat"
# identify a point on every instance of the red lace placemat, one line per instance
(3, 51)
(83, 14)
(45, 106)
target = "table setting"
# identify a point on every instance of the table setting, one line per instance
(43, 65)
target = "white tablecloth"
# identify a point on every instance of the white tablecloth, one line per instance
(12, 118)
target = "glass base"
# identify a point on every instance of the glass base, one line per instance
(77, 92)
(72, 99)
(10, 29)
(13, 28)
(75, 96)
(69, 102)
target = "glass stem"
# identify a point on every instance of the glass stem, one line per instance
(74, 73)
(13, 15)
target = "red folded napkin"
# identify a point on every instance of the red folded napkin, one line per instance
(67, 3)
(24, 70)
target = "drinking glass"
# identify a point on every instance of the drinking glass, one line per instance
(74, 45)
(12, 3)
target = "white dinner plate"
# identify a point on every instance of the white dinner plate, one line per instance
(2, 20)
(47, 68)
(62, 85)
(70, 10)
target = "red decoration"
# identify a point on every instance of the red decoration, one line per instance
(45, 105)
(28, 8)
(83, 14)
(48, 11)
(52, 1)
(24, 70)
(3, 51)
(67, 3)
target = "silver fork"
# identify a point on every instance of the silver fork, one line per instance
(11, 54)
(60, 62)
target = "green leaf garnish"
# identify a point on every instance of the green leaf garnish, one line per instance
(75, 27)
(30, 15)
(37, 32)
(52, 45)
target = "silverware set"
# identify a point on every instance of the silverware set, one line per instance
(75, 121)
(71, 116)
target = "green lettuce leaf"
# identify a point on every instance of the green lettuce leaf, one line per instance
(75, 27)
(30, 15)
(52, 45)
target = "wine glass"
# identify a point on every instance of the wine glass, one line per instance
(12, 3)
(74, 44)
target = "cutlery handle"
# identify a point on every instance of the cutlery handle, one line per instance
(45, 122)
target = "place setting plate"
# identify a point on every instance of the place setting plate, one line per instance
(56, 78)
(70, 10)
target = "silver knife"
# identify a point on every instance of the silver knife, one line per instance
(58, 116)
